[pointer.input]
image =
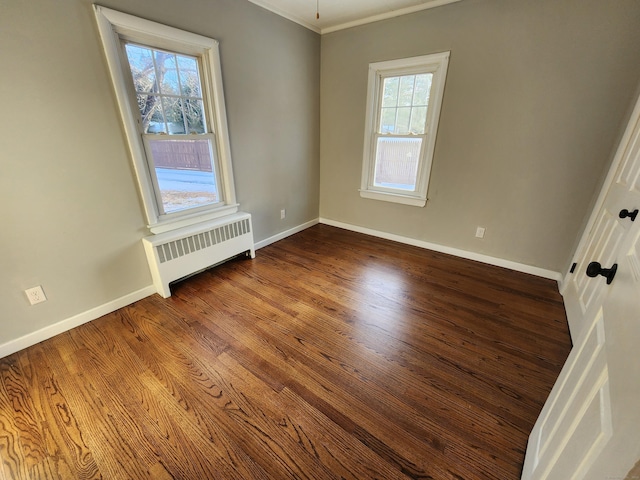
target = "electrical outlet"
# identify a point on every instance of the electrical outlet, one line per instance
(480, 232)
(283, 214)
(35, 295)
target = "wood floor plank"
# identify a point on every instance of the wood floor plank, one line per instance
(18, 401)
(66, 450)
(14, 463)
(108, 433)
(331, 355)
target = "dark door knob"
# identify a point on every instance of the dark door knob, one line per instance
(626, 213)
(594, 269)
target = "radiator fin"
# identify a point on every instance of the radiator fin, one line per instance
(185, 246)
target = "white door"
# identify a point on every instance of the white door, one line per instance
(589, 427)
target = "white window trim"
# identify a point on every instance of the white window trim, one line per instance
(435, 63)
(115, 26)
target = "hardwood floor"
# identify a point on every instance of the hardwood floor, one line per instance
(331, 355)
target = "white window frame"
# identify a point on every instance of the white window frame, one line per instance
(436, 64)
(116, 27)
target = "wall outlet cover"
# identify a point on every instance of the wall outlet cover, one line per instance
(35, 295)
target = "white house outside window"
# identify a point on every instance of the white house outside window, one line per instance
(404, 99)
(169, 88)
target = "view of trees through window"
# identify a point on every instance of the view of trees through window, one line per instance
(168, 90)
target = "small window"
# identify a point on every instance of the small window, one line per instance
(169, 88)
(404, 98)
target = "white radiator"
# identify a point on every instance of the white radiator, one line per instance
(176, 254)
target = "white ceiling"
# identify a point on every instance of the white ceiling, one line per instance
(340, 14)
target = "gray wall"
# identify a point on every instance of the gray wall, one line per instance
(536, 96)
(71, 217)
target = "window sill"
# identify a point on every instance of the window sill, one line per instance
(191, 219)
(394, 198)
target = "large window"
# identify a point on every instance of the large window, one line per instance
(169, 89)
(404, 98)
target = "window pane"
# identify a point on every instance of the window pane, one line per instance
(173, 114)
(402, 120)
(388, 120)
(189, 78)
(167, 73)
(390, 92)
(142, 70)
(397, 162)
(418, 120)
(194, 113)
(405, 96)
(174, 102)
(422, 89)
(151, 112)
(185, 173)
(410, 94)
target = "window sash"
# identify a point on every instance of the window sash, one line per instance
(164, 96)
(397, 106)
(214, 189)
(399, 167)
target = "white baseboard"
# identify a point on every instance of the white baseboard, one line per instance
(286, 233)
(49, 331)
(499, 262)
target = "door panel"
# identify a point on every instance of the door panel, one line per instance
(577, 408)
(594, 431)
(591, 352)
(633, 257)
(628, 175)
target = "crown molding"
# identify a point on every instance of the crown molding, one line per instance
(384, 16)
(267, 5)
